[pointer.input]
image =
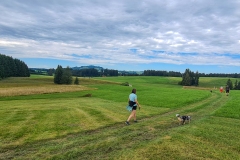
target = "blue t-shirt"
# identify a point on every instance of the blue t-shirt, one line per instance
(133, 97)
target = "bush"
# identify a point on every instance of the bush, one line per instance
(125, 84)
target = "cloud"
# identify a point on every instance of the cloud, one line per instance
(139, 32)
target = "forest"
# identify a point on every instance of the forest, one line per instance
(12, 67)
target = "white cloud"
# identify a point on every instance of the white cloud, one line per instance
(92, 28)
(10, 44)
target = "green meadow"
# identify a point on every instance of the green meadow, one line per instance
(41, 120)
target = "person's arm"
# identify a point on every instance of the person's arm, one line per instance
(137, 103)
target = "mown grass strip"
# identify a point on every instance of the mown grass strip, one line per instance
(68, 126)
(110, 141)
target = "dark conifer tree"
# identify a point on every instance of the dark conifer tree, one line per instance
(1, 71)
(229, 83)
(66, 76)
(63, 76)
(196, 83)
(58, 75)
(189, 78)
(76, 81)
(238, 85)
(235, 85)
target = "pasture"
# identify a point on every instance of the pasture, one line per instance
(41, 120)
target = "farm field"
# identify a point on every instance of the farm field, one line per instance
(41, 120)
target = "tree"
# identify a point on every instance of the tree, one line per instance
(66, 76)
(235, 85)
(189, 78)
(1, 71)
(229, 83)
(63, 76)
(238, 85)
(76, 81)
(196, 83)
(58, 75)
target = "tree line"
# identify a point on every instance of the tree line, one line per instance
(12, 67)
(42, 71)
(161, 73)
(189, 78)
(178, 74)
(91, 72)
(232, 75)
(64, 75)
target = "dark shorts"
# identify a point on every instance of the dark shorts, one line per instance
(134, 108)
(227, 91)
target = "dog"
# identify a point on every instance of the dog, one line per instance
(183, 119)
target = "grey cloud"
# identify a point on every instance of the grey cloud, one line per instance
(93, 27)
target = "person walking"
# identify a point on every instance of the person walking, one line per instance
(227, 90)
(133, 102)
(221, 89)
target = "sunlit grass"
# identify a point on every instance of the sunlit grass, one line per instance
(31, 120)
(68, 125)
(232, 108)
(15, 91)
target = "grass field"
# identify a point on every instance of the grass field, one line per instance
(60, 122)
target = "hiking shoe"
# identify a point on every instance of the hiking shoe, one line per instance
(127, 123)
(135, 121)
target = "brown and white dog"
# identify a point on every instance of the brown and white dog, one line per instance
(183, 119)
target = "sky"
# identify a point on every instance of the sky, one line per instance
(132, 35)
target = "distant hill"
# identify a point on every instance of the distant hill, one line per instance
(44, 71)
(98, 68)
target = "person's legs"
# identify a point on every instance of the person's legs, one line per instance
(135, 116)
(227, 92)
(132, 115)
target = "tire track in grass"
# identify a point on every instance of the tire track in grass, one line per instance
(189, 109)
(173, 147)
(132, 138)
(113, 139)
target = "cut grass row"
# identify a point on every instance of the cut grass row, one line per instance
(158, 136)
(70, 126)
